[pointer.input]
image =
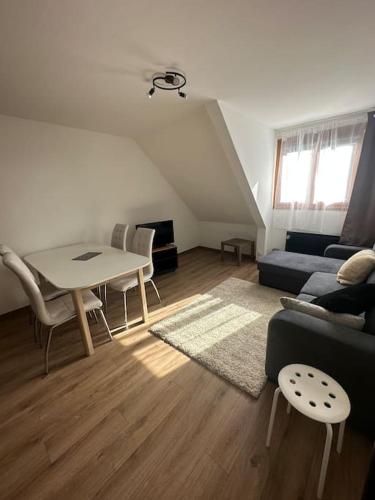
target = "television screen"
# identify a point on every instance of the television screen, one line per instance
(163, 232)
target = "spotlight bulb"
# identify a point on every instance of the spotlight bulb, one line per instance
(151, 92)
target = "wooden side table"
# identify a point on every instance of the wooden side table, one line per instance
(238, 244)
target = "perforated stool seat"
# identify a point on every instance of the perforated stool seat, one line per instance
(317, 396)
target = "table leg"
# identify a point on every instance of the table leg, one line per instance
(142, 293)
(83, 324)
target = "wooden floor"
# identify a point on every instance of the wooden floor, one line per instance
(140, 420)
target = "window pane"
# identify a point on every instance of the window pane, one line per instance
(333, 174)
(295, 174)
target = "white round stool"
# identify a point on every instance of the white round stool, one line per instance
(318, 396)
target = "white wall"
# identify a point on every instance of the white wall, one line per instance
(213, 233)
(61, 185)
(251, 148)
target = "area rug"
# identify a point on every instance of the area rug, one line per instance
(226, 331)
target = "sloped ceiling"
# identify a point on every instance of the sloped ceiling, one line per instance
(190, 156)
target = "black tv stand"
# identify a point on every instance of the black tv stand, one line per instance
(165, 259)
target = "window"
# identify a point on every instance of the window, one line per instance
(316, 168)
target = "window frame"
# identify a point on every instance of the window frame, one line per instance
(309, 204)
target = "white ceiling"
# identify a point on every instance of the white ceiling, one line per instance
(83, 63)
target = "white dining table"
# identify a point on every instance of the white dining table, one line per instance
(58, 266)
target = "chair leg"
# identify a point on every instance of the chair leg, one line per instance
(105, 323)
(31, 315)
(341, 437)
(327, 451)
(105, 297)
(35, 328)
(288, 408)
(272, 417)
(40, 334)
(95, 316)
(46, 353)
(125, 311)
(156, 290)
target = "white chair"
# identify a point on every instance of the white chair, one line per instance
(119, 234)
(142, 245)
(118, 240)
(4, 249)
(55, 312)
(48, 291)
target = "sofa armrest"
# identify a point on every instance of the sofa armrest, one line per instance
(341, 251)
(345, 354)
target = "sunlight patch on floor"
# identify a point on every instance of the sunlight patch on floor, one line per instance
(162, 365)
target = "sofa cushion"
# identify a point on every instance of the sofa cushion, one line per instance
(301, 262)
(338, 251)
(305, 297)
(349, 320)
(357, 269)
(321, 284)
(354, 299)
(289, 271)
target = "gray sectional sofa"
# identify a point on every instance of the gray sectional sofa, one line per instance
(294, 337)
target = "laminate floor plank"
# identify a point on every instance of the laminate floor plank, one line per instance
(140, 420)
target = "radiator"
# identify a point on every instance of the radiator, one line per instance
(309, 243)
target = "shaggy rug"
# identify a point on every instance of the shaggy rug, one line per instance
(226, 330)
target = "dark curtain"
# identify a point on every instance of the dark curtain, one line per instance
(359, 225)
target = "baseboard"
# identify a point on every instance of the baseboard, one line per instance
(15, 312)
(218, 251)
(184, 252)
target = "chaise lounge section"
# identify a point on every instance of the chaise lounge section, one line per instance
(290, 271)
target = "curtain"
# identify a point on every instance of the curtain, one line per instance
(315, 171)
(359, 225)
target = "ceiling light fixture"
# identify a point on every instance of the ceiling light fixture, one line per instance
(170, 80)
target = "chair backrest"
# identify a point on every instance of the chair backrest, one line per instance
(4, 249)
(142, 245)
(15, 264)
(119, 236)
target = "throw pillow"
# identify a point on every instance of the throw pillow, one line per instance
(357, 268)
(354, 299)
(355, 322)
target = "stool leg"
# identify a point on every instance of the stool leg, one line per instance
(288, 408)
(272, 417)
(326, 453)
(341, 437)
